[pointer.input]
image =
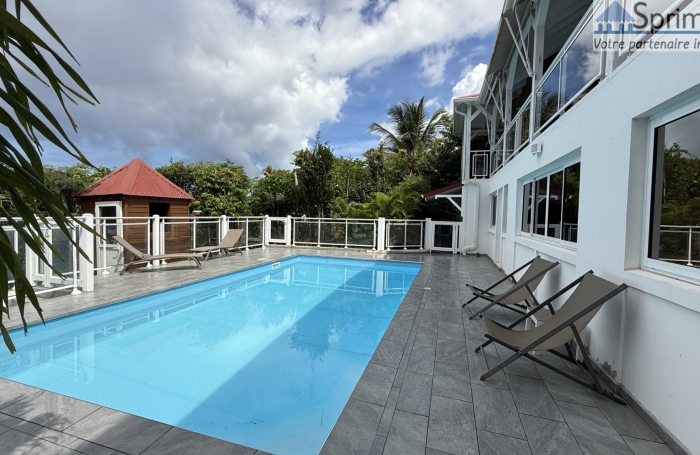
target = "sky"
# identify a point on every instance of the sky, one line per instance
(253, 81)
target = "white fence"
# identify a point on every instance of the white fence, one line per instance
(161, 235)
(75, 271)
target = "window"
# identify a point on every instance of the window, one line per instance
(494, 210)
(504, 211)
(550, 205)
(674, 231)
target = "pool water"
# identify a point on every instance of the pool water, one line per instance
(265, 357)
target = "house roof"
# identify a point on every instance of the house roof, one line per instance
(449, 189)
(473, 95)
(135, 178)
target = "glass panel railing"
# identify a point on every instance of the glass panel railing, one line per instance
(525, 126)
(575, 71)
(548, 97)
(581, 65)
(510, 143)
(497, 156)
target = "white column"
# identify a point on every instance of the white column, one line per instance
(86, 241)
(381, 233)
(428, 245)
(223, 227)
(156, 236)
(288, 231)
(266, 230)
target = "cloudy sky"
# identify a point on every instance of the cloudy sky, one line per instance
(252, 81)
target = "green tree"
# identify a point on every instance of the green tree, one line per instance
(26, 118)
(411, 129)
(66, 181)
(217, 188)
(313, 169)
(441, 163)
(274, 194)
(351, 179)
(376, 162)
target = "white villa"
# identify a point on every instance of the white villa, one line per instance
(563, 157)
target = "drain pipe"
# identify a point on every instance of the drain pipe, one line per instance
(465, 178)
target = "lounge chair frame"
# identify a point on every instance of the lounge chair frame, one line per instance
(144, 258)
(221, 247)
(586, 365)
(486, 294)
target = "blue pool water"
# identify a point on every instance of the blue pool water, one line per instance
(265, 357)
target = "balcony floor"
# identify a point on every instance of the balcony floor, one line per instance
(420, 394)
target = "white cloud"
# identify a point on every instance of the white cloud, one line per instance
(471, 82)
(249, 82)
(433, 63)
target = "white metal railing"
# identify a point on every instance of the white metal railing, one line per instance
(253, 231)
(137, 229)
(568, 78)
(691, 257)
(404, 234)
(497, 156)
(340, 232)
(179, 234)
(480, 163)
(70, 271)
(157, 235)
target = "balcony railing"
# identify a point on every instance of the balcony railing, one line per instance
(569, 77)
(680, 244)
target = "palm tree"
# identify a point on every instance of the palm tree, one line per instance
(412, 129)
(28, 122)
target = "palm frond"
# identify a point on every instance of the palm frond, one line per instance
(29, 122)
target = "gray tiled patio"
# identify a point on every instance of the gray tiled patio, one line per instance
(420, 394)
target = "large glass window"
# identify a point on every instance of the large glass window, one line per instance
(527, 208)
(556, 188)
(504, 210)
(675, 212)
(540, 206)
(550, 205)
(494, 210)
(572, 176)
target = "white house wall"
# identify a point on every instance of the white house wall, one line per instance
(655, 352)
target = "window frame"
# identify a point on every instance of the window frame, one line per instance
(532, 180)
(493, 210)
(670, 115)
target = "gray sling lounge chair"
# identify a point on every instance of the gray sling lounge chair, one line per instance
(522, 290)
(563, 326)
(143, 258)
(228, 243)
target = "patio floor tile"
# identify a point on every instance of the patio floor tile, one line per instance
(124, 432)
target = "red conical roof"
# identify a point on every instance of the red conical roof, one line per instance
(135, 178)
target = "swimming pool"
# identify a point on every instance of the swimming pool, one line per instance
(265, 357)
